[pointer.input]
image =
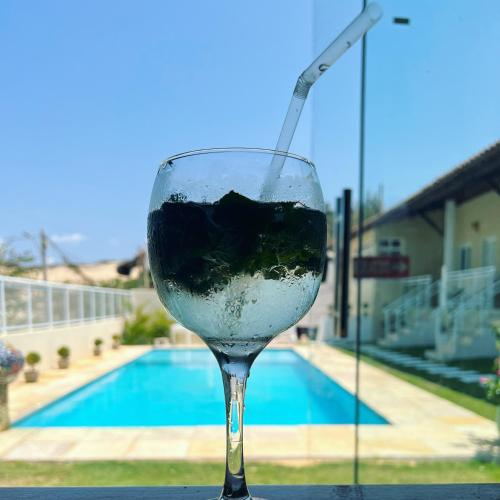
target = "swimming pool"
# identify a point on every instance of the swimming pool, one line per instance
(184, 387)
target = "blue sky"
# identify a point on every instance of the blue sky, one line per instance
(95, 94)
(432, 95)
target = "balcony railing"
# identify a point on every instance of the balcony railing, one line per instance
(410, 306)
(27, 304)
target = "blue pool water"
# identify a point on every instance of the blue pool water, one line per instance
(184, 387)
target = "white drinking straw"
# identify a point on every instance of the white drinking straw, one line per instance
(351, 34)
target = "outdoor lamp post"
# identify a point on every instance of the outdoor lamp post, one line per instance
(361, 187)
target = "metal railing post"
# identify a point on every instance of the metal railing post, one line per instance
(66, 305)
(3, 309)
(30, 308)
(50, 307)
(122, 304)
(80, 306)
(103, 304)
(113, 304)
(92, 306)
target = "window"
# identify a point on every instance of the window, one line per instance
(390, 246)
(488, 251)
(465, 257)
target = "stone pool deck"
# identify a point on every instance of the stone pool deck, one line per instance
(422, 426)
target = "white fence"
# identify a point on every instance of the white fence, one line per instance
(27, 304)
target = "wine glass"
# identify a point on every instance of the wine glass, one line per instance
(232, 268)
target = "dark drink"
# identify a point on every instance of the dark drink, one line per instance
(240, 264)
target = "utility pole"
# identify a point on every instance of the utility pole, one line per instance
(145, 268)
(43, 253)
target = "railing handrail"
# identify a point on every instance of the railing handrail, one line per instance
(417, 297)
(481, 279)
(474, 271)
(473, 297)
(479, 299)
(425, 279)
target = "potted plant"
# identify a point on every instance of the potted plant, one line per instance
(32, 359)
(97, 347)
(116, 341)
(11, 363)
(64, 353)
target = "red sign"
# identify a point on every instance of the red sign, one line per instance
(384, 266)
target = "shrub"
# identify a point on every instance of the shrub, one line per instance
(491, 386)
(64, 352)
(159, 325)
(493, 391)
(33, 358)
(116, 337)
(98, 342)
(144, 328)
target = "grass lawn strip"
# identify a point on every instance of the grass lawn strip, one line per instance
(156, 473)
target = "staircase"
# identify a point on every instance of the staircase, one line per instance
(463, 327)
(408, 319)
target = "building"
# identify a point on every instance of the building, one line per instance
(450, 231)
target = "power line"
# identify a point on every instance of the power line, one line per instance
(42, 244)
(71, 265)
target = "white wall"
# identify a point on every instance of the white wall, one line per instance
(181, 335)
(79, 338)
(146, 298)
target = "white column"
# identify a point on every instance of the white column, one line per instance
(448, 248)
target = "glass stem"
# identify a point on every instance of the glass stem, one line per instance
(235, 486)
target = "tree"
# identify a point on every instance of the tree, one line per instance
(373, 204)
(12, 262)
(330, 222)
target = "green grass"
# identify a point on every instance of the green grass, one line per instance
(472, 403)
(148, 473)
